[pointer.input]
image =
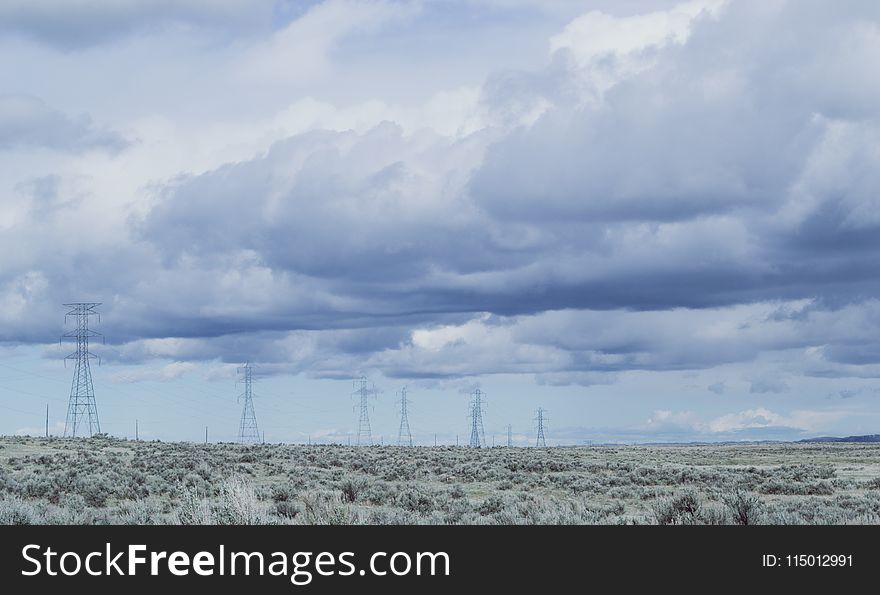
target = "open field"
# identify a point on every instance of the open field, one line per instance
(104, 480)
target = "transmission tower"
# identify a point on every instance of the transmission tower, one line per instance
(365, 434)
(82, 407)
(248, 432)
(404, 436)
(478, 435)
(540, 418)
(509, 436)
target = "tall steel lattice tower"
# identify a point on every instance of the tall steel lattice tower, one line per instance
(478, 435)
(365, 434)
(404, 436)
(81, 408)
(540, 418)
(248, 432)
(509, 436)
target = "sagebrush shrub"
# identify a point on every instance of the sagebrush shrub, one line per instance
(16, 511)
(351, 488)
(287, 509)
(238, 504)
(745, 509)
(114, 481)
(684, 509)
(138, 512)
(193, 509)
(416, 499)
(323, 509)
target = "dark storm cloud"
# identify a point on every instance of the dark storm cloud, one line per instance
(84, 23)
(768, 385)
(858, 354)
(27, 122)
(672, 193)
(604, 226)
(719, 388)
(357, 208)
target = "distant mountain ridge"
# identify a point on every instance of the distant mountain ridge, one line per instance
(865, 438)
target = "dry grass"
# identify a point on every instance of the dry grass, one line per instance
(104, 480)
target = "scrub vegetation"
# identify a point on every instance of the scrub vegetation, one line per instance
(108, 481)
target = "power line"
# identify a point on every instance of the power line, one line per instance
(29, 373)
(19, 410)
(179, 401)
(82, 405)
(32, 394)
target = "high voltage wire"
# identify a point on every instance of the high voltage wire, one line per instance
(130, 394)
(165, 394)
(106, 405)
(127, 392)
(29, 373)
(22, 411)
(180, 400)
(193, 406)
(25, 392)
(264, 404)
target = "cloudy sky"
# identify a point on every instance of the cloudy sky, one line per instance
(659, 220)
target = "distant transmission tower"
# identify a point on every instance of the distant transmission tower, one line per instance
(248, 432)
(82, 406)
(509, 436)
(540, 418)
(365, 434)
(478, 435)
(404, 436)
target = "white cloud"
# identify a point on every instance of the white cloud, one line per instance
(27, 123)
(807, 421)
(301, 51)
(688, 423)
(595, 35)
(18, 294)
(710, 210)
(611, 48)
(55, 429)
(165, 373)
(664, 419)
